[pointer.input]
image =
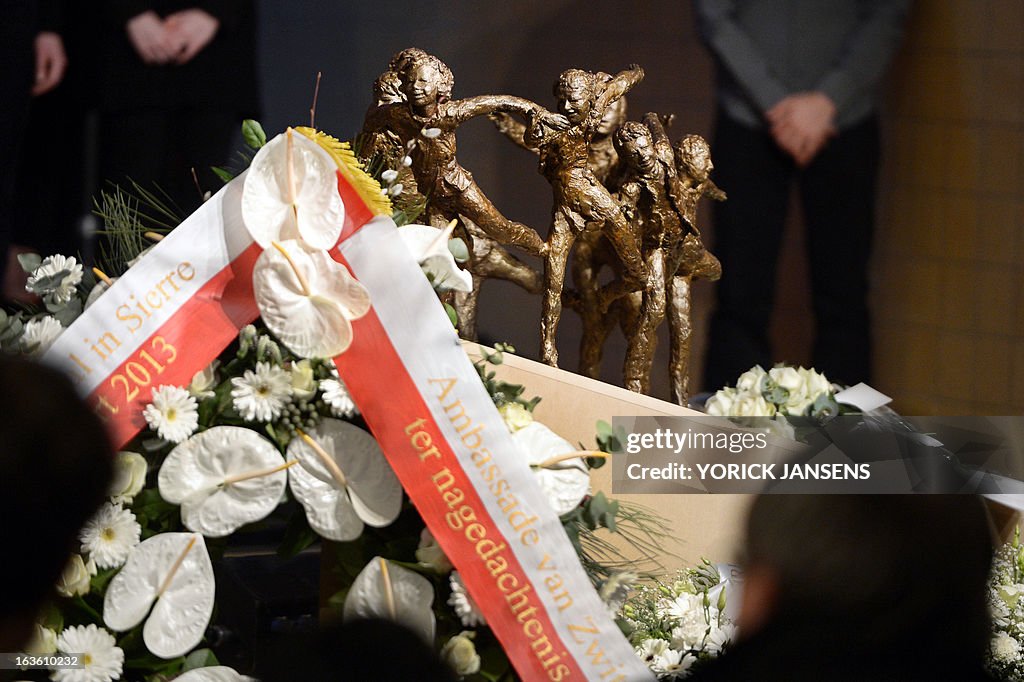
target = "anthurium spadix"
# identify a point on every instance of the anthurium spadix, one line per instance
(386, 590)
(291, 192)
(429, 246)
(170, 578)
(223, 478)
(342, 480)
(213, 673)
(558, 466)
(307, 299)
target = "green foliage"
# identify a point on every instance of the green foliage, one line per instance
(252, 133)
(501, 391)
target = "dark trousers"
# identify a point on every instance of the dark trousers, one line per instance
(837, 194)
(159, 147)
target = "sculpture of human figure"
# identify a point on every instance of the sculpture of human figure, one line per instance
(426, 121)
(692, 181)
(602, 159)
(581, 202)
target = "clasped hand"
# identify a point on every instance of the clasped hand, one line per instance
(801, 124)
(174, 39)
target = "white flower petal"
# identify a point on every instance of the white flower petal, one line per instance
(567, 482)
(412, 595)
(214, 673)
(179, 618)
(317, 325)
(315, 213)
(193, 475)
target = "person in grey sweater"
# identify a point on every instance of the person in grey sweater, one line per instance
(797, 88)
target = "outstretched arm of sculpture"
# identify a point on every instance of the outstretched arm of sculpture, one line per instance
(618, 86)
(511, 128)
(662, 145)
(460, 111)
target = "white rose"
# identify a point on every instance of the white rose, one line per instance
(750, 381)
(203, 382)
(44, 641)
(515, 415)
(751, 405)
(430, 555)
(460, 654)
(74, 581)
(815, 383)
(303, 382)
(793, 381)
(720, 404)
(129, 477)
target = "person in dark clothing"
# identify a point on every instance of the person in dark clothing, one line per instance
(857, 587)
(796, 91)
(33, 64)
(178, 77)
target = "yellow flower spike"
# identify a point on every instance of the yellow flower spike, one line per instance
(369, 190)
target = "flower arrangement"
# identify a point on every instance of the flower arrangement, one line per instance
(782, 390)
(1005, 660)
(680, 624)
(269, 428)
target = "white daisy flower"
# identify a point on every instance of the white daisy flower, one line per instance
(40, 334)
(673, 664)
(466, 609)
(110, 535)
(337, 397)
(103, 660)
(651, 650)
(42, 280)
(262, 395)
(173, 414)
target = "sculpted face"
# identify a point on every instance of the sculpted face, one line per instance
(640, 153)
(420, 84)
(613, 117)
(693, 156)
(574, 99)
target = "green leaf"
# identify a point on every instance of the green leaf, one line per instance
(200, 658)
(298, 536)
(68, 313)
(29, 261)
(252, 133)
(452, 315)
(224, 174)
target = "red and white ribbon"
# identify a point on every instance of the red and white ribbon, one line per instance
(175, 312)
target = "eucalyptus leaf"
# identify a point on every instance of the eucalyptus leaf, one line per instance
(459, 249)
(29, 261)
(224, 174)
(252, 133)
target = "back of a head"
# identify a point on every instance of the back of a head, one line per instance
(885, 570)
(56, 465)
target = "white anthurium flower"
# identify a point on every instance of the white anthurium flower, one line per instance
(385, 590)
(564, 480)
(213, 673)
(307, 299)
(429, 246)
(291, 192)
(168, 577)
(223, 478)
(343, 480)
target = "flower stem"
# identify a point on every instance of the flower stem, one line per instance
(259, 474)
(552, 461)
(389, 592)
(328, 461)
(306, 291)
(174, 568)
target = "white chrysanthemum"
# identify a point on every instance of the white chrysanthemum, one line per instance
(60, 291)
(650, 650)
(693, 625)
(466, 609)
(720, 638)
(337, 397)
(262, 395)
(110, 535)
(173, 414)
(1005, 648)
(673, 664)
(40, 334)
(102, 658)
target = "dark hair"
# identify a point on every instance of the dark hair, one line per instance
(887, 567)
(56, 465)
